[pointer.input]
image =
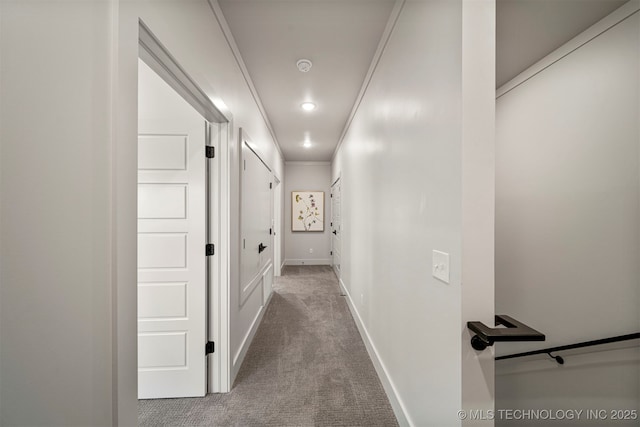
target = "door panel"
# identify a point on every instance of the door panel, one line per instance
(255, 221)
(336, 242)
(159, 201)
(158, 300)
(162, 152)
(171, 243)
(161, 250)
(164, 350)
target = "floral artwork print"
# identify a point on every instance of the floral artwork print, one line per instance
(307, 211)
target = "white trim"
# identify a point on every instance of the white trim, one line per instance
(158, 58)
(325, 261)
(386, 35)
(600, 27)
(282, 266)
(225, 260)
(264, 278)
(219, 376)
(248, 339)
(251, 286)
(399, 409)
(123, 225)
(255, 150)
(217, 12)
(277, 197)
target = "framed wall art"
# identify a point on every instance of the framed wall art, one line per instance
(307, 211)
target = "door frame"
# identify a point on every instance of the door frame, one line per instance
(217, 182)
(277, 226)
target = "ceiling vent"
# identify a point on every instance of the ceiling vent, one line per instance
(304, 65)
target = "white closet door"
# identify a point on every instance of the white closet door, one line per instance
(171, 243)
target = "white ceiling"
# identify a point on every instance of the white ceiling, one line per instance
(340, 37)
(528, 30)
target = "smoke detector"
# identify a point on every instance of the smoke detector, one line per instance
(304, 65)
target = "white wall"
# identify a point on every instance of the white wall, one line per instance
(55, 262)
(418, 150)
(307, 176)
(568, 224)
(69, 160)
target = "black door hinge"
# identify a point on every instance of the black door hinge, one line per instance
(210, 152)
(210, 249)
(271, 185)
(269, 231)
(331, 253)
(209, 348)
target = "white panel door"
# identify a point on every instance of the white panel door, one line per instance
(255, 221)
(335, 226)
(171, 243)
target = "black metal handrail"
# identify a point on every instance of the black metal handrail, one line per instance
(513, 331)
(559, 359)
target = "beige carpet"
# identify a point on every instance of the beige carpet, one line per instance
(307, 366)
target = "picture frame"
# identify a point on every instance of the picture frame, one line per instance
(307, 211)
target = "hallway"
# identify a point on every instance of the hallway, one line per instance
(306, 366)
(460, 159)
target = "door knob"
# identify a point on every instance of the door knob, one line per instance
(261, 248)
(335, 232)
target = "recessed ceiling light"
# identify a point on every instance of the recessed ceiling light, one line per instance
(304, 65)
(308, 106)
(307, 144)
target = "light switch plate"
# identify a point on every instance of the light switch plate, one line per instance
(440, 266)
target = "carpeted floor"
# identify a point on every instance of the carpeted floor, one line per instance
(307, 366)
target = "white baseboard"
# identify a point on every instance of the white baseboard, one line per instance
(326, 261)
(246, 342)
(397, 405)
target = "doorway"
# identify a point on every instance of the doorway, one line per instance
(182, 275)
